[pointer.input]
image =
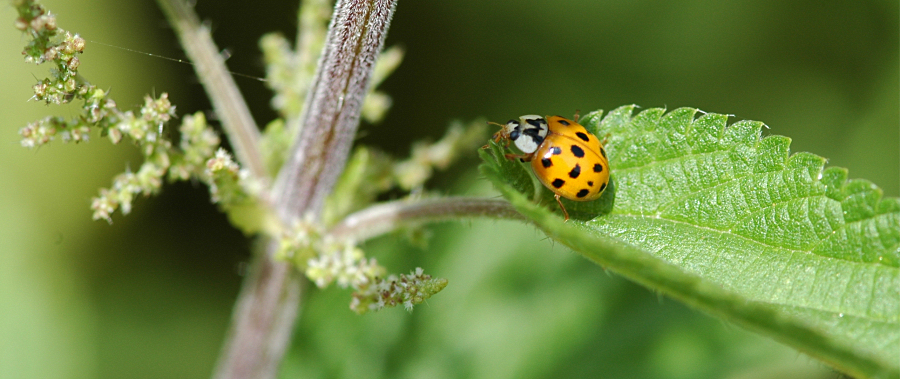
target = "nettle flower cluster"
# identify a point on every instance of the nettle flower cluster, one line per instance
(324, 258)
(145, 128)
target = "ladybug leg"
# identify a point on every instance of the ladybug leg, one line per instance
(500, 135)
(605, 138)
(562, 207)
(496, 138)
(522, 157)
(577, 115)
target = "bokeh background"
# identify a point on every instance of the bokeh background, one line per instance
(150, 295)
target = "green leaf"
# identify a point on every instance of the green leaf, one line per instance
(734, 225)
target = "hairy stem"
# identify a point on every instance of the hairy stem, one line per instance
(268, 304)
(262, 320)
(227, 100)
(331, 114)
(383, 218)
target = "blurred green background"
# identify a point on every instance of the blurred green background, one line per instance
(150, 295)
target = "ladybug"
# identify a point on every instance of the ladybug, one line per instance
(567, 159)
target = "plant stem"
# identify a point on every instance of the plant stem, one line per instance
(262, 320)
(382, 218)
(240, 128)
(267, 306)
(331, 114)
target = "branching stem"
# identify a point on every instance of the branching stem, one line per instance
(227, 100)
(269, 300)
(383, 218)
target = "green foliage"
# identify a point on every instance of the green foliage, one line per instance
(371, 172)
(366, 175)
(732, 224)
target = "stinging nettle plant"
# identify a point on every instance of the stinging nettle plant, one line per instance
(707, 213)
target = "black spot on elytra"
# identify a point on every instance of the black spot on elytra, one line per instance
(575, 172)
(557, 183)
(582, 193)
(564, 122)
(598, 167)
(603, 152)
(577, 151)
(555, 150)
(602, 187)
(590, 183)
(546, 162)
(583, 136)
(536, 122)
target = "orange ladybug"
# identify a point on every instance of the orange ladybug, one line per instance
(565, 157)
